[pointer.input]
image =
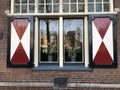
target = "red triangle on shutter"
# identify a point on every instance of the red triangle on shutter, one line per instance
(20, 56)
(102, 25)
(103, 57)
(20, 26)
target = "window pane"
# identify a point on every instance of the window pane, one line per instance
(17, 1)
(81, 8)
(106, 7)
(48, 8)
(66, 1)
(31, 9)
(73, 8)
(80, 0)
(24, 1)
(73, 40)
(49, 40)
(90, 0)
(17, 9)
(106, 0)
(41, 1)
(55, 1)
(48, 1)
(98, 7)
(73, 1)
(56, 8)
(90, 7)
(41, 8)
(31, 1)
(98, 0)
(24, 8)
(66, 8)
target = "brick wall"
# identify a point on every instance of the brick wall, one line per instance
(28, 75)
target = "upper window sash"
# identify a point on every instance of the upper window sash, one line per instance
(61, 6)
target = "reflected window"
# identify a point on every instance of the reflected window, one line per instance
(48, 40)
(73, 40)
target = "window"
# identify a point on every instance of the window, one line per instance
(63, 32)
(58, 6)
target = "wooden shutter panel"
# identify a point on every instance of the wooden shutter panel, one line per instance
(102, 37)
(20, 49)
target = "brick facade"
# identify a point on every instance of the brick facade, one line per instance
(110, 76)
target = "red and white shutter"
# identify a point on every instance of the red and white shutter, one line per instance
(20, 42)
(103, 41)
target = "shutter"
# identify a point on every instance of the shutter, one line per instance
(20, 49)
(102, 37)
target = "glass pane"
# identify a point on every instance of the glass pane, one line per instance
(98, 7)
(55, 1)
(73, 1)
(80, 0)
(81, 8)
(48, 1)
(31, 1)
(90, 0)
(106, 7)
(98, 0)
(24, 1)
(31, 9)
(41, 8)
(56, 8)
(24, 8)
(66, 8)
(41, 1)
(73, 40)
(66, 1)
(48, 8)
(106, 0)
(49, 40)
(90, 7)
(73, 8)
(17, 9)
(17, 1)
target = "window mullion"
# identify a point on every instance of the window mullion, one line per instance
(36, 62)
(12, 6)
(61, 42)
(86, 6)
(111, 5)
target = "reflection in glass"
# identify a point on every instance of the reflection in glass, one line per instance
(31, 1)
(66, 1)
(98, 0)
(73, 40)
(56, 8)
(24, 8)
(41, 1)
(49, 40)
(17, 1)
(73, 8)
(48, 8)
(73, 1)
(90, 7)
(65, 7)
(98, 7)
(24, 1)
(41, 8)
(90, 0)
(106, 0)
(17, 9)
(31, 8)
(80, 0)
(55, 1)
(81, 8)
(106, 7)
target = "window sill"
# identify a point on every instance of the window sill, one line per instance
(66, 67)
